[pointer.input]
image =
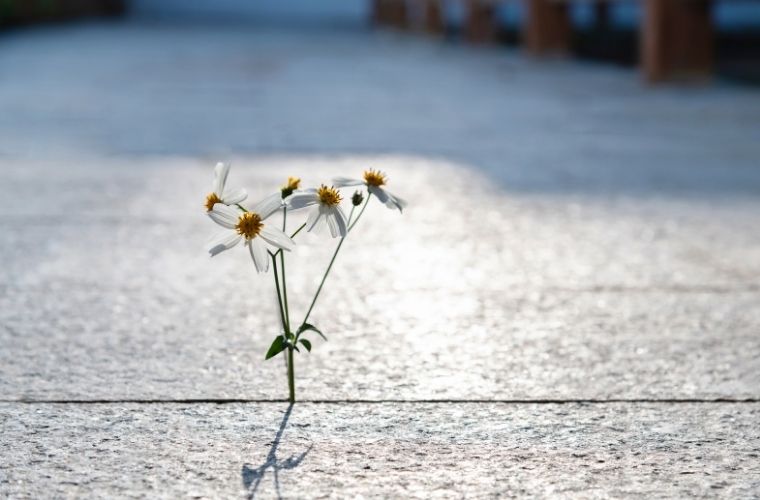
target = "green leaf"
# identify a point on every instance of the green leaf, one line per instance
(277, 347)
(306, 344)
(307, 326)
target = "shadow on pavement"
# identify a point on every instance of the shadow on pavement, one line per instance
(252, 477)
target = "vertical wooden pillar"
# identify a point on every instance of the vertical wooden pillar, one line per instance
(389, 13)
(677, 39)
(547, 27)
(398, 14)
(480, 25)
(434, 23)
(602, 14)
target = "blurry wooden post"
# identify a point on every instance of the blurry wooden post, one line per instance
(547, 27)
(480, 25)
(433, 16)
(676, 39)
(398, 14)
(602, 14)
(389, 13)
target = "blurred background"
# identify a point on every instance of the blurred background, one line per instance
(686, 36)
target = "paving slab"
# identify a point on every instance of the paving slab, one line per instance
(380, 450)
(494, 296)
(572, 235)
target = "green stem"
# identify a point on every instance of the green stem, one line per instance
(337, 249)
(291, 374)
(298, 231)
(366, 202)
(284, 282)
(291, 377)
(279, 295)
(292, 236)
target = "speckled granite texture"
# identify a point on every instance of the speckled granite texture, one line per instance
(381, 450)
(571, 235)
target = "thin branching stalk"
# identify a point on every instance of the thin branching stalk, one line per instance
(332, 261)
(284, 281)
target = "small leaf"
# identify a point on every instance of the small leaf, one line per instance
(306, 344)
(277, 347)
(307, 326)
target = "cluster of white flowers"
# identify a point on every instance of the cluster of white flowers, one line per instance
(249, 225)
(266, 242)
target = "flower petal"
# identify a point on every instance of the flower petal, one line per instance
(220, 177)
(346, 181)
(315, 220)
(336, 220)
(259, 254)
(302, 199)
(268, 205)
(275, 237)
(224, 240)
(234, 196)
(395, 202)
(224, 216)
(379, 192)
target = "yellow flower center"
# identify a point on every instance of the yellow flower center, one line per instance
(374, 177)
(211, 200)
(293, 183)
(290, 186)
(328, 196)
(249, 225)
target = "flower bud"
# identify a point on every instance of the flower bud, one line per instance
(357, 198)
(290, 186)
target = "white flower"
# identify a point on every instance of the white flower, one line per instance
(374, 180)
(326, 209)
(219, 194)
(248, 226)
(277, 200)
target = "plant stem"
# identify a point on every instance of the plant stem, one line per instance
(298, 230)
(284, 282)
(292, 236)
(337, 249)
(366, 202)
(291, 374)
(291, 377)
(279, 295)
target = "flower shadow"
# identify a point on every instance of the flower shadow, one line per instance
(252, 477)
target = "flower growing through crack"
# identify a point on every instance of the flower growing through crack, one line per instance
(325, 203)
(266, 242)
(250, 227)
(219, 193)
(374, 180)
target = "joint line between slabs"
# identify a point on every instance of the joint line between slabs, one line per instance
(223, 401)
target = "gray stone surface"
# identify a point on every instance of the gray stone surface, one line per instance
(571, 235)
(502, 296)
(381, 450)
